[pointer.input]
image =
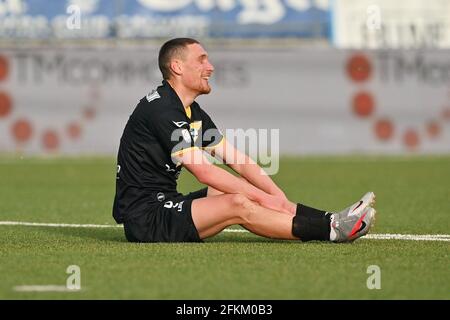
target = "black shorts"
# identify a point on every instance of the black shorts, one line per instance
(167, 221)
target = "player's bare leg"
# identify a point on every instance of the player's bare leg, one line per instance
(213, 214)
(215, 192)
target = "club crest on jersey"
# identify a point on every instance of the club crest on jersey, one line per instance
(194, 129)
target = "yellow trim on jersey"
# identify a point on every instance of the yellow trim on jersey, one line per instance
(176, 153)
(216, 145)
(188, 111)
(195, 125)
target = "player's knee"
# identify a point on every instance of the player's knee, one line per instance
(238, 200)
(242, 207)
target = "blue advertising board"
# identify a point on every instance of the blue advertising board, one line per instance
(163, 18)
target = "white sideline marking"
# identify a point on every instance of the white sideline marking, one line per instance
(47, 288)
(416, 237)
(375, 236)
(60, 225)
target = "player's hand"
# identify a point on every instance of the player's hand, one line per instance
(276, 203)
(279, 193)
(286, 205)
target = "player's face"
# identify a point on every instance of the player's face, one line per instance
(197, 69)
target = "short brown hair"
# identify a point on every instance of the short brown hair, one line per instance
(168, 50)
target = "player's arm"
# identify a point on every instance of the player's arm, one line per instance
(195, 161)
(247, 168)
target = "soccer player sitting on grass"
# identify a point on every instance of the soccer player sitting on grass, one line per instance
(166, 131)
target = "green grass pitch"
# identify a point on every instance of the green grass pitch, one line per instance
(413, 197)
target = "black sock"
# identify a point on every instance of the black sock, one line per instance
(311, 224)
(309, 212)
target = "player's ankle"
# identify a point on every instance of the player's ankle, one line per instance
(311, 224)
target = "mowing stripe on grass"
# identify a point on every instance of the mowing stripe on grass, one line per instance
(375, 236)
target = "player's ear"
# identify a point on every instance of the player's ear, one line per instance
(175, 66)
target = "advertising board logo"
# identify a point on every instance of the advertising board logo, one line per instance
(360, 69)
